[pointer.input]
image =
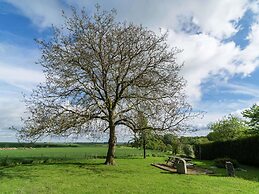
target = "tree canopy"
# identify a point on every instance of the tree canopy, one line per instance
(100, 74)
(253, 115)
(228, 128)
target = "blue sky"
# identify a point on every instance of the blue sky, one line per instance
(220, 42)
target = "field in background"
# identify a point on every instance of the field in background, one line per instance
(80, 169)
(69, 151)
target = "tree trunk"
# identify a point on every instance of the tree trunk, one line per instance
(111, 150)
(144, 143)
(144, 148)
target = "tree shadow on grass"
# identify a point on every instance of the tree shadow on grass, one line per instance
(25, 171)
(12, 170)
(237, 176)
(14, 173)
(12, 162)
(246, 175)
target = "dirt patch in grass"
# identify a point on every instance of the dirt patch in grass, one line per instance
(8, 148)
(190, 170)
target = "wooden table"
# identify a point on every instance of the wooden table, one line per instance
(174, 160)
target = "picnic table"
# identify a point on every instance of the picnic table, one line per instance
(175, 159)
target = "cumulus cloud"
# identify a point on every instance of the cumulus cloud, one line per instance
(203, 29)
(204, 53)
(250, 54)
(203, 56)
(216, 18)
(200, 29)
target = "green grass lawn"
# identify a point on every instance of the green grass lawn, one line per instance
(76, 174)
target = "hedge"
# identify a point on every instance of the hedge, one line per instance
(245, 150)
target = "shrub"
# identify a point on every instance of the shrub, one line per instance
(169, 147)
(244, 150)
(154, 155)
(26, 161)
(188, 150)
(220, 162)
(7, 162)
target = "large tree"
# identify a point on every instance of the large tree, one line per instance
(101, 74)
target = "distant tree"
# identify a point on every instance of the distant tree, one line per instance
(144, 134)
(194, 140)
(176, 146)
(168, 142)
(99, 75)
(169, 138)
(200, 140)
(253, 115)
(174, 141)
(228, 128)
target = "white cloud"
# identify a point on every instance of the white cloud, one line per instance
(7, 135)
(254, 6)
(245, 89)
(19, 55)
(215, 110)
(250, 54)
(18, 73)
(20, 77)
(215, 18)
(12, 109)
(205, 54)
(19, 68)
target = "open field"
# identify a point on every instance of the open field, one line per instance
(75, 170)
(81, 152)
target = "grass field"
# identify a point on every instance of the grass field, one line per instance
(81, 151)
(76, 170)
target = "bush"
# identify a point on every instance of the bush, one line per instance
(13, 162)
(8, 162)
(244, 150)
(220, 162)
(188, 150)
(26, 161)
(154, 155)
(5, 162)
